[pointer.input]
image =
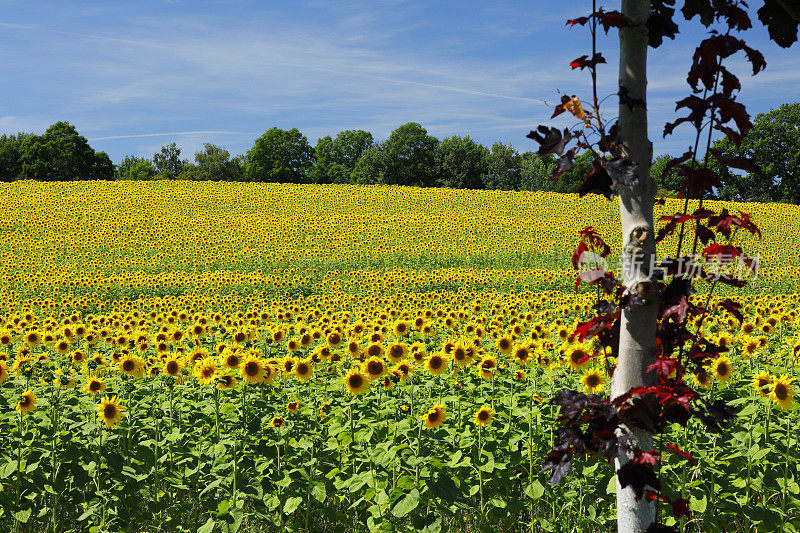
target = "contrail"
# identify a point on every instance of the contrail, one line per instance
(173, 133)
(306, 66)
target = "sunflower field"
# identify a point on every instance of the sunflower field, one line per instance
(199, 356)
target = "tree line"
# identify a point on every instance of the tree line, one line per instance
(409, 156)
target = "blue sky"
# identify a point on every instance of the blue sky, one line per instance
(132, 76)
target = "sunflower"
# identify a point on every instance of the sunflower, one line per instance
(27, 402)
(436, 364)
(205, 371)
(95, 385)
(231, 359)
(109, 411)
(401, 327)
(504, 344)
(334, 339)
(226, 381)
(483, 415)
(374, 367)
(198, 354)
(62, 346)
(522, 353)
(277, 421)
(3, 372)
(252, 368)
(132, 365)
(288, 363)
(33, 338)
(461, 353)
(396, 351)
(172, 365)
(577, 355)
(749, 346)
(356, 382)
(487, 367)
(270, 373)
(782, 391)
(404, 369)
(435, 417)
(519, 375)
(374, 349)
(593, 381)
(293, 407)
(353, 348)
(722, 368)
(703, 379)
(762, 383)
(304, 369)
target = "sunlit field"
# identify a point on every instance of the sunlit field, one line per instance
(199, 356)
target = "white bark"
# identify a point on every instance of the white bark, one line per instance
(638, 324)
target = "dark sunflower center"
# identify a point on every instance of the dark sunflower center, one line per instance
(781, 392)
(483, 416)
(110, 410)
(375, 368)
(592, 380)
(436, 363)
(94, 385)
(127, 366)
(251, 368)
(355, 381)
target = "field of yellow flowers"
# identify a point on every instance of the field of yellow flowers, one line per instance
(199, 356)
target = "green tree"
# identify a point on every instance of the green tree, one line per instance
(336, 159)
(103, 168)
(461, 163)
(407, 157)
(142, 170)
(670, 183)
(215, 163)
(774, 144)
(535, 172)
(279, 155)
(369, 168)
(503, 168)
(59, 154)
(168, 161)
(123, 170)
(10, 163)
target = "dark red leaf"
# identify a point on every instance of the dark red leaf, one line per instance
(597, 181)
(725, 252)
(579, 251)
(732, 307)
(686, 455)
(637, 476)
(680, 507)
(704, 234)
(552, 141)
(781, 17)
(647, 458)
(659, 23)
(584, 61)
(740, 162)
(560, 107)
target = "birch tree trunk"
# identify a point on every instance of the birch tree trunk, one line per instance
(638, 324)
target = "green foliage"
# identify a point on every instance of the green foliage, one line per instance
(62, 154)
(336, 159)
(535, 172)
(407, 157)
(141, 170)
(279, 156)
(10, 164)
(215, 163)
(671, 182)
(774, 144)
(503, 168)
(461, 162)
(168, 161)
